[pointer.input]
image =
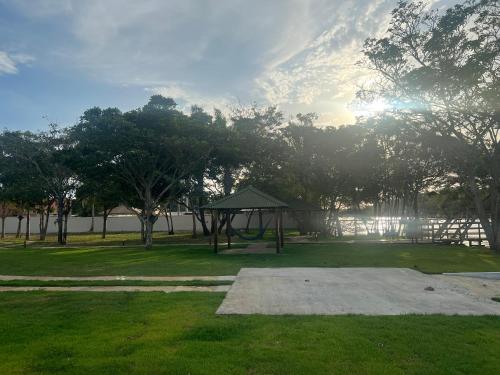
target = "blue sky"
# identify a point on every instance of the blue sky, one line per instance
(60, 57)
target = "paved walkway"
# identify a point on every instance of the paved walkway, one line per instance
(254, 248)
(338, 291)
(113, 278)
(117, 288)
(165, 289)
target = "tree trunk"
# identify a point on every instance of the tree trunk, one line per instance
(167, 219)
(60, 216)
(41, 217)
(143, 233)
(4, 216)
(19, 220)
(338, 226)
(43, 232)
(171, 231)
(92, 220)
(3, 228)
(193, 235)
(491, 228)
(400, 229)
(148, 239)
(228, 229)
(495, 240)
(222, 223)
(228, 181)
(65, 231)
(206, 232)
(27, 236)
(104, 223)
(375, 219)
(149, 220)
(415, 205)
(495, 213)
(149, 235)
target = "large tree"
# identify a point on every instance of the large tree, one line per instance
(150, 150)
(44, 170)
(440, 72)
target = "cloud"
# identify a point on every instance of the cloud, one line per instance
(186, 97)
(217, 45)
(300, 54)
(324, 76)
(7, 65)
(9, 62)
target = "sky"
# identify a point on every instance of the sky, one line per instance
(60, 57)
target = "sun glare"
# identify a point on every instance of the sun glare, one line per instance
(371, 109)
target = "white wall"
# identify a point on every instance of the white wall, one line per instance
(132, 224)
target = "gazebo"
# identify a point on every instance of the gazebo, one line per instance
(247, 198)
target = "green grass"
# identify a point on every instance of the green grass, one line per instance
(112, 239)
(112, 283)
(124, 239)
(155, 333)
(200, 260)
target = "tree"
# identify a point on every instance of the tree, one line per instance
(150, 150)
(440, 72)
(198, 195)
(41, 170)
(410, 164)
(7, 209)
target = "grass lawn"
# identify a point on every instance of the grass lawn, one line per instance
(158, 333)
(155, 333)
(125, 238)
(112, 239)
(178, 259)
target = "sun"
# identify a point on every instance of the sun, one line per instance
(378, 105)
(372, 108)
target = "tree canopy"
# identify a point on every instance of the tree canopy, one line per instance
(432, 151)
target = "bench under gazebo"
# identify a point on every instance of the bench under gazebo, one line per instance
(248, 198)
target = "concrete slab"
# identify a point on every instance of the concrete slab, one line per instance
(479, 275)
(339, 291)
(474, 286)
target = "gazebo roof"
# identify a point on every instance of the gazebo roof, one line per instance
(248, 197)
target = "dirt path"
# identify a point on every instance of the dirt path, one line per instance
(254, 248)
(165, 289)
(113, 278)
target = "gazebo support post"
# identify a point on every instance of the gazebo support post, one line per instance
(277, 229)
(282, 237)
(215, 226)
(228, 229)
